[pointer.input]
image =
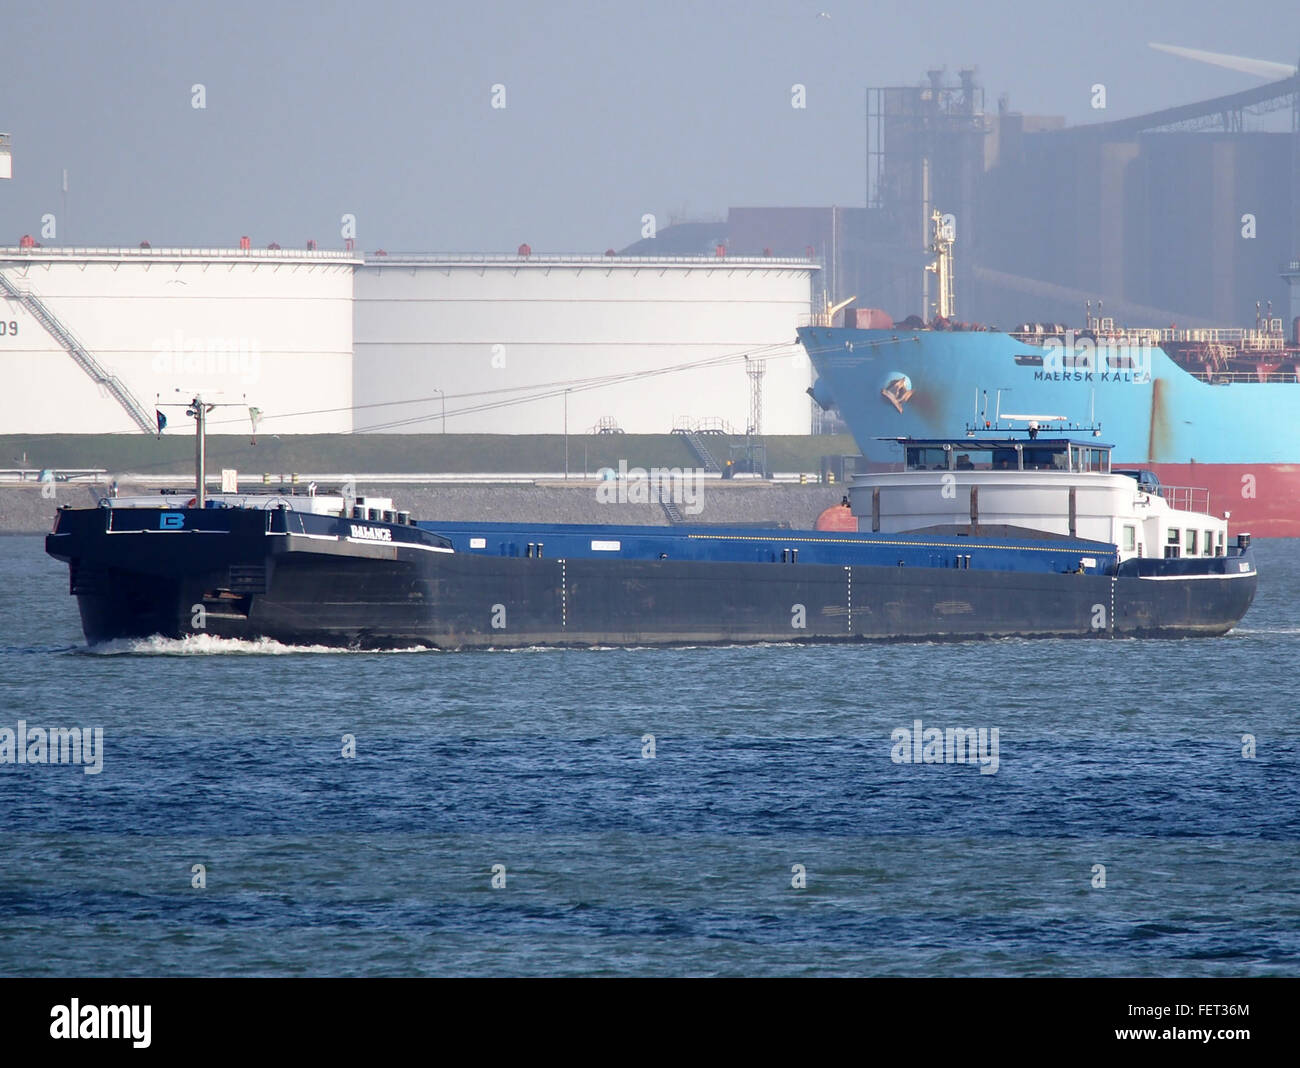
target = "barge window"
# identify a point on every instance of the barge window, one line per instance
(1209, 543)
(1191, 541)
(1130, 537)
(1173, 542)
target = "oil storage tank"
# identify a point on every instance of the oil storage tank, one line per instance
(92, 338)
(531, 343)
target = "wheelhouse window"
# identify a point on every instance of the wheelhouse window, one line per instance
(1094, 460)
(1129, 542)
(1209, 543)
(927, 458)
(977, 455)
(1046, 460)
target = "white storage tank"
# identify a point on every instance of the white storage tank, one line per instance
(91, 338)
(495, 340)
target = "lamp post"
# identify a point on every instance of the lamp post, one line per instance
(443, 397)
(566, 435)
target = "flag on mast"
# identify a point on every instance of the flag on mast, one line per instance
(254, 417)
(162, 421)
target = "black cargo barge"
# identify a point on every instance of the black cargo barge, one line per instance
(976, 537)
(300, 578)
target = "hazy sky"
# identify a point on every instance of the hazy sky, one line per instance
(384, 109)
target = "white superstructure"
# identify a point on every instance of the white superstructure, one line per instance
(1054, 485)
(493, 341)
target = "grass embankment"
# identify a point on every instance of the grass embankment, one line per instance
(397, 453)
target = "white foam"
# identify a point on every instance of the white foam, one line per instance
(210, 645)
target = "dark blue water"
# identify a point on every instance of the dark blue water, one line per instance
(1123, 754)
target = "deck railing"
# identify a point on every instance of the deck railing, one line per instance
(1223, 378)
(1186, 498)
(1245, 338)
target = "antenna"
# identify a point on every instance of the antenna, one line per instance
(197, 408)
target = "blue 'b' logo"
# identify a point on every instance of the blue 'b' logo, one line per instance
(171, 521)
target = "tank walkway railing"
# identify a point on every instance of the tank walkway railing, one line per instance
(684, 424)
(83, 359)
(226, 255)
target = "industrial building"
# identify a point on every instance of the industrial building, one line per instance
(1184, 215)
(1189, 215)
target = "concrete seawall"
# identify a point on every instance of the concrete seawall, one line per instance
(24, 510)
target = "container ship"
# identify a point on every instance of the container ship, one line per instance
(999, 531)
(1217, 410)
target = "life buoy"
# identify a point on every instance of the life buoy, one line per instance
(191, 502)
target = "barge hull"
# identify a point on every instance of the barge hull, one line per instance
(301, 590)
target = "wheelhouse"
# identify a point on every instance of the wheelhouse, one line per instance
(1005, 454)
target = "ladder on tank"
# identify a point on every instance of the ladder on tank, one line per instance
(706, 458)
(74, 348)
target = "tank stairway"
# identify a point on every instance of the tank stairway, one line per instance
(83, 359)
(673, 513)
(706, 458)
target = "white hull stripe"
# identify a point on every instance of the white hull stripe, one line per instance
(391, 544)
(359, 541)
(1188, 578)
